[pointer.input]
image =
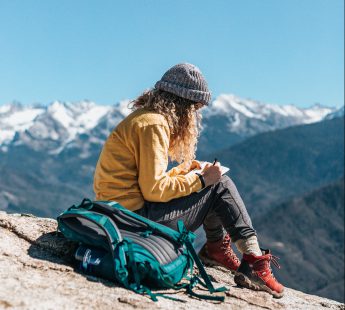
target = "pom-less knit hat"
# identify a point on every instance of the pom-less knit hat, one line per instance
(185, 80)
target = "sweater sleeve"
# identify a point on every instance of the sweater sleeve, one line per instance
(180, 170)
(155, 183)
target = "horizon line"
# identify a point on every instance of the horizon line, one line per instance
(38, 103)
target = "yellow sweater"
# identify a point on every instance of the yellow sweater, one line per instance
(133, 162)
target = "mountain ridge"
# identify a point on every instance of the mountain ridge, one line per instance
(59, 123)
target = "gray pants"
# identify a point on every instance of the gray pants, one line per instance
(219, 207)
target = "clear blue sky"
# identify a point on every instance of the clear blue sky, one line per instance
(273, 51)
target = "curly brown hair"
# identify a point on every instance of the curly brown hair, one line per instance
(183, 118)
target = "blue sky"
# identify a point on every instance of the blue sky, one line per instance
(273, 51)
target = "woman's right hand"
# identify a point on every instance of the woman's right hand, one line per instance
(211, 174)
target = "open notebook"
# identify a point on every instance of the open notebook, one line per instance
(203, 164)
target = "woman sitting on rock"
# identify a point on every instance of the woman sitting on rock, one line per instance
(131, 170)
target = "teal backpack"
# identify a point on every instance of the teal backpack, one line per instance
(133, 251)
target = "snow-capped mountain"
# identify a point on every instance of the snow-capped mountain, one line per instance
(54, 125)
(277, 116)
(337, 113)
(231, 119)
(60, 125)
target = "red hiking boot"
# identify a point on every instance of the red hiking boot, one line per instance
(255, 273)
(219, 253)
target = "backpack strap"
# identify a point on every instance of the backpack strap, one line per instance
(85, 204)
(186, 239)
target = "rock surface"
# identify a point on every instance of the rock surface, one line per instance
(36, 272)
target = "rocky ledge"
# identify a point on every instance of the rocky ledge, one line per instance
(36, 272)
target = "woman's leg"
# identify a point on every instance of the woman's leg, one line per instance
(216, 206)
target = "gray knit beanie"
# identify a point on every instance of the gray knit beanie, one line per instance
(185, 80)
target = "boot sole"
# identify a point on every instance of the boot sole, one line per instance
(211, 263)
(242, 280)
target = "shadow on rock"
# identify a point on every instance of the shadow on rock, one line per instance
(55, 248)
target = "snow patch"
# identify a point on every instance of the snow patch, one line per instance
(90, 118)
(22, 120)
(316, 114)
(229, 103)
(122, 106)
(6, 135)
(5, 108)
(18, 121)
(236, 121)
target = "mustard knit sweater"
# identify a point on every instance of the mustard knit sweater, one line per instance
(133, 162)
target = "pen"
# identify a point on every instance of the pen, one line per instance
(215, 160)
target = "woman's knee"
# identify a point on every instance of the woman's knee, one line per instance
(226, 181)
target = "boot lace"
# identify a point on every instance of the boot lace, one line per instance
(274, 259)
(228, 251)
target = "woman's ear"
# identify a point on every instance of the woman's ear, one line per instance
(198, 105)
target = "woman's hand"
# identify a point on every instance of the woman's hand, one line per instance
(211, 174)
(195, 165)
